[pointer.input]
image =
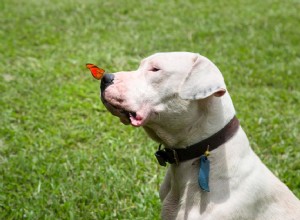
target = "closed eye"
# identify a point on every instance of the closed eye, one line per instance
(154, 69)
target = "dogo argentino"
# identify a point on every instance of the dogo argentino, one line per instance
(181, 101)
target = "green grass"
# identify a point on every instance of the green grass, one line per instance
(62, 156)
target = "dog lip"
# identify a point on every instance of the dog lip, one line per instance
(127, 113)
(136, 120)
(126, 116)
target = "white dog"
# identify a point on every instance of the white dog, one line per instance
(181, 101)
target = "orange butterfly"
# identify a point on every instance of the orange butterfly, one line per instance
(96, 71)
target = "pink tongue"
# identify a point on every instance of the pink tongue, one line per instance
(136, 121)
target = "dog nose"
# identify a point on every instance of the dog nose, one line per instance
(107, 80)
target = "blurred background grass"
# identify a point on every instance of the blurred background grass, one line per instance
(62, 156)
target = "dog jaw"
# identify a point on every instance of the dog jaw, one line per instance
(124, 113)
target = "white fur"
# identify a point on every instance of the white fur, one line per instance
(181, 104)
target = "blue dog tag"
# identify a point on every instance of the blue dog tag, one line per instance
(204, 173)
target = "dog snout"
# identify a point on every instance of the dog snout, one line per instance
(107, 80)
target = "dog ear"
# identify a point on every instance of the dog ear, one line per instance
(203, 80)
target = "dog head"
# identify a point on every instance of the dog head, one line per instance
(168, 89)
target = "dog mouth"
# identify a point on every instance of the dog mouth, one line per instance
(129, 117)
(126, 116)
(129, 114)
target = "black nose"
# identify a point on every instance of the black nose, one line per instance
(107, 80)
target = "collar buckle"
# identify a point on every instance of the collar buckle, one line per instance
(166, 155)
(161, 156)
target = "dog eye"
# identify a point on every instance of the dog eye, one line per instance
(154, 69)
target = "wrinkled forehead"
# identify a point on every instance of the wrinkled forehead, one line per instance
(170, 60)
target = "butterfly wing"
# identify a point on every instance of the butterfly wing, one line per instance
(96, 71)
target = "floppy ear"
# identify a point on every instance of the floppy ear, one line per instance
(203, 80)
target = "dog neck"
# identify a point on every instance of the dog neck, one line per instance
(212, 115)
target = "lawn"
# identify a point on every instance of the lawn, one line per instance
(63, 156)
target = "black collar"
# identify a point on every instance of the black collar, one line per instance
(177, 155)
